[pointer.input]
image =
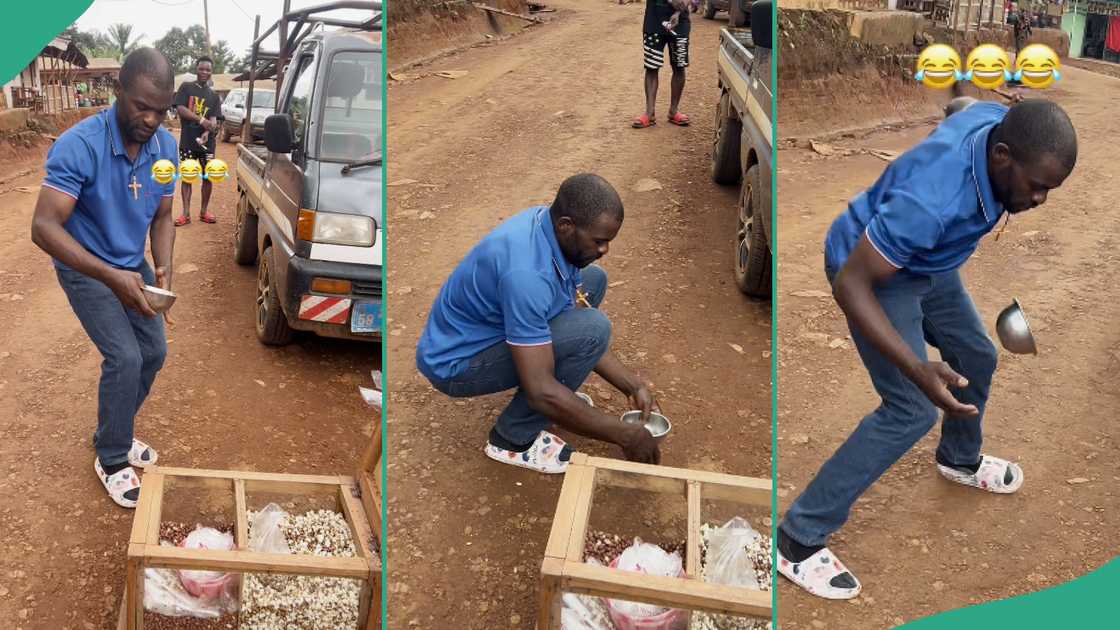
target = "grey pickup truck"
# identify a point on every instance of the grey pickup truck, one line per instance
(742, 148)
(309, 210)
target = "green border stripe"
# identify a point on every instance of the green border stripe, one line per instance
(31, 28)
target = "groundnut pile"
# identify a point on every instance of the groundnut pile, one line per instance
(759, 553)
(297, 602)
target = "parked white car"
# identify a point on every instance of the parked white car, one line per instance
(233, 109)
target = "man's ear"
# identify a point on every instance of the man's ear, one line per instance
(565, 226)
(1001, 155)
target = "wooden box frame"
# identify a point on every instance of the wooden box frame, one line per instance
(564, 569)
(144, 550)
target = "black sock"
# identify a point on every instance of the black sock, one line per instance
(793, 550)
(115, 468)
(497, 440)
(971, 469)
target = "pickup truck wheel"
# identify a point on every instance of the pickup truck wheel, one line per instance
(726, 144)
(709, 10)
(752, 255)
(245, 234)
(272, 327)
(737, 17)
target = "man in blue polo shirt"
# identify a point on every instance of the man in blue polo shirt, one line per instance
(97, 207)
(521, 311)
(893, 260)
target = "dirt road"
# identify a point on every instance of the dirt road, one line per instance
(918, 543)
(467, 534)
(222, 401)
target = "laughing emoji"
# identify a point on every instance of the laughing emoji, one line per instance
(216, 170)
(988, 67)
(163, 171)
(1037, 66)
(939, 66)
(189, 170)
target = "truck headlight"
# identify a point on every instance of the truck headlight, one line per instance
(335, 229)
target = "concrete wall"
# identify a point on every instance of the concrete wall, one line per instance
(13, 120)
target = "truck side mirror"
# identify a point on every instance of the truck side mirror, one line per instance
(278, 133)
(762, 33)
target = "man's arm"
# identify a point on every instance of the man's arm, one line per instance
(535, 370)
(52, 211)
(624, 380)
(162, 234)
(853, 289)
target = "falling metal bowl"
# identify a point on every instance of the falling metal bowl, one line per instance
(159, 299)
(1014, 331)
(657, 425)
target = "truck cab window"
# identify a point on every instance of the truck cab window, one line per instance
(299, 101)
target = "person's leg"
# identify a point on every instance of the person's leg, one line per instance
(185, 191)
(151, 340)
(953, 326)
(106, 322)
(653, 45)
(882, 437)
(594, 284)
(207, 186)
(580, 337)
(678, 59)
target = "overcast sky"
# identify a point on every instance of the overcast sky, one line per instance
(231, 20)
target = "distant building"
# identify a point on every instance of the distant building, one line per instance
(47, 83)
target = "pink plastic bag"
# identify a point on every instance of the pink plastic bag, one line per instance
(651, 560)
(207, 584)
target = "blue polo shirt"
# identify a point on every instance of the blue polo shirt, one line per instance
(110, 219)
(506, 289)
(932, 205)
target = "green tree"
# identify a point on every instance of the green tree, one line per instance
(223, 57)
(120, 35)
(183, 47)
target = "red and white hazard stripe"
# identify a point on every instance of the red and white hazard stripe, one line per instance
(324, 309)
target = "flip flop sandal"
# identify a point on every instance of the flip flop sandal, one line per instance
(643, 122)
(542, 456)
(585, 398)
(206, 217)
(141, 455)
(821, 574)
(994, 475)
(119, 484)
(679, 119)
(181, 220)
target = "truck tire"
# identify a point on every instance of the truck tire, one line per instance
(752, 254)
(709, 10)
(272, 325)
(244, 234)
(726, 143)
(736, 16)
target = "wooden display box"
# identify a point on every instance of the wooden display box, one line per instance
(144, 550)
(564, 569)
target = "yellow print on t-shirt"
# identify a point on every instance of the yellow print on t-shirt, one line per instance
(198, 106)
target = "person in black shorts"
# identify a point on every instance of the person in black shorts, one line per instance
(666, 26)
(199, 110)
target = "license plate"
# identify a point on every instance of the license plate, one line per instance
(366, 317)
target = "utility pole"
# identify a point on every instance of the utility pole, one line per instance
(206, 24)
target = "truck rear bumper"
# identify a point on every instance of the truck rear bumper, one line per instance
(331, 315)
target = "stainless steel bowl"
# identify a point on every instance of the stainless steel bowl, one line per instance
(657, 425)
(159, 299)
(1014, 331)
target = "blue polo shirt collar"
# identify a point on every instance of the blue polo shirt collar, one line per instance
(991, 207)
(116, 138)
(544, 224)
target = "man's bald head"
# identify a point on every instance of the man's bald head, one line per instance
(149, 63)
(584, 197)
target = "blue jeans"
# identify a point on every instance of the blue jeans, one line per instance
(580, 337)
(934, 309)
(133, 348)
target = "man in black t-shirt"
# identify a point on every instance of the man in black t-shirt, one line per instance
(667, 25)
(199, 111)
